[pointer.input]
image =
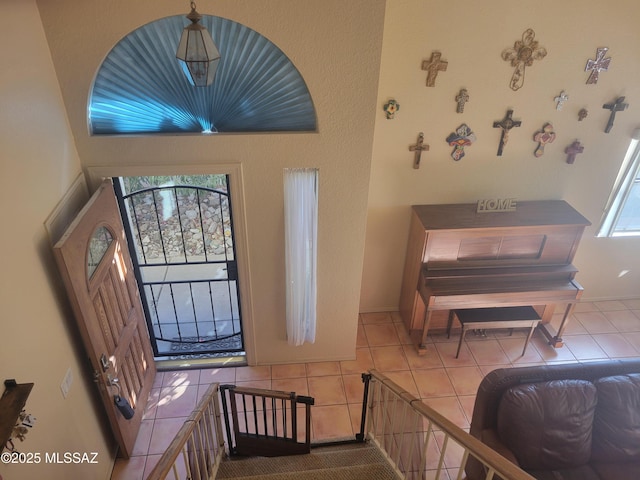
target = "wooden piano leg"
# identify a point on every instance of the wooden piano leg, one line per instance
(422, 348)
(555, 338)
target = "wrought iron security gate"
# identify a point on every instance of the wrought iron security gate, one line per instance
(184, 258)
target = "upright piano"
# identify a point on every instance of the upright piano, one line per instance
(460, 258)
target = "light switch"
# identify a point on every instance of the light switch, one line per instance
(65, 386)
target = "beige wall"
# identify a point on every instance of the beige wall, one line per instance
(38, 163)
(471, 36)
(336, 47)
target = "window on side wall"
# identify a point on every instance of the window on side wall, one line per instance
(622, 213)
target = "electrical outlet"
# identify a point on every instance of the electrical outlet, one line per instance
(65, 386)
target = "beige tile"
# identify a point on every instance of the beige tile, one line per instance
(220, 375)
(177, 401)
(164, 430)
(551, 354)
(376, 317)
(615, 345)
(297, 385)
(632, 303)
(293, 370)
(447, 351)
(609, 305)
(331, 422)
(624, 320)
(405, 380)
(361, 338)
(403, 334)
(181, 378)
(430, 359)
(266, 384)
(595, 322)
(244, 374)
(353, 388)
(381, 334)
(449, 407)
(322, 369)
(488, 352)
(584, 347)
(467, 403)
(355, 414)
(465, 380)
(152, 404)
(388, 359)
(433, 382)
(513, 349)
(157, 381)
(132, 469)
(362, 363)
(572, 326)
(152, 461)
(583, 307)
(327, 390)
(634, 339)
(141, 447)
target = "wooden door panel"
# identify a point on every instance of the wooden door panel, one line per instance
(104, 295)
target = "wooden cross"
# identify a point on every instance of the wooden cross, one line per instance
(461, 99)
(600, 64)
(418, 148)
(560, 99)
(546, 135)
(433, 66)
(523, 53)
(572, 150)
(506, 124)
(616, 106)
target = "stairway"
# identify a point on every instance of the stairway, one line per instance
(341, 462)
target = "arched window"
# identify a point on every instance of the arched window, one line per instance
(141, 89)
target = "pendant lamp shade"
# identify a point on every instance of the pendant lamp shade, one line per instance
(197, 53)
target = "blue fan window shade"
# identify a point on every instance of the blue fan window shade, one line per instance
(141, 89)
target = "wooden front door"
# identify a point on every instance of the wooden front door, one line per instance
(98, 274)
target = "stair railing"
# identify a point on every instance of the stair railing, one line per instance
(421, 443)
(197, 449)
(265, 422)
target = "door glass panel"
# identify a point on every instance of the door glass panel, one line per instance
(181, 230)
(98, 246)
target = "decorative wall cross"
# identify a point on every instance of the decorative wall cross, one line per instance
(506, 124)
(433, 66)
(544, 136)
(462, 137)
(461, 99)
(522, 55)
(560, 99)
(572, 150)
(600, 64)
(419, 147)
(617, 106)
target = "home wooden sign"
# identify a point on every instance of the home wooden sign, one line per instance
(496, 205)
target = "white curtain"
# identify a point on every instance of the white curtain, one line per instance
(301, 234)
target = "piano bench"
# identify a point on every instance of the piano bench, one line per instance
(496, 317)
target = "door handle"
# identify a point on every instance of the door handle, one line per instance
(105, 363)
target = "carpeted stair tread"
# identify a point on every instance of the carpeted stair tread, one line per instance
(320, 461)
(376, 471)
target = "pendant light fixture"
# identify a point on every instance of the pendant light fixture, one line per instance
(197, 53)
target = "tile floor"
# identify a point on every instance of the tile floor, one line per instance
(598, 330)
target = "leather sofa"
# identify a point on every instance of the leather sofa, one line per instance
(578, 421)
